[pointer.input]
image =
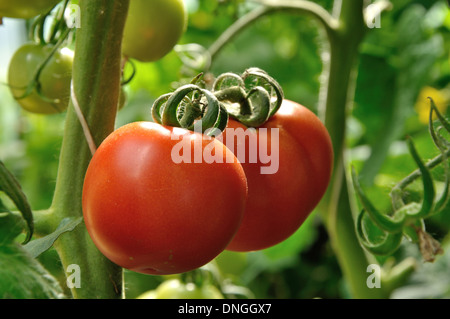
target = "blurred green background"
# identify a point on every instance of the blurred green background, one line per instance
(402, 62)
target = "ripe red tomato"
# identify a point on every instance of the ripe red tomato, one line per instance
(54, 80)
(296, 178)
(153, 28)
(25, 9)
(150, 214)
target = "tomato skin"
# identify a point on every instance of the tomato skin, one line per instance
(153, 28)
(54, 79)
(278, 203)
(25, 9)
(151, 215)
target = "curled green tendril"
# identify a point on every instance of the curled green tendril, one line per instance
(387, 246)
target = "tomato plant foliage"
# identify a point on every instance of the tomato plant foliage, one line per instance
(149, 205)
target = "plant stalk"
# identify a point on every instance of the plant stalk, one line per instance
(96, 81)
(336, 98)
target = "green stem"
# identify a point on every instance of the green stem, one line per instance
(269, 7)
(96, 80)
(416, 174)
(337, 94)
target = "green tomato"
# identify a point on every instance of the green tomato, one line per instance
(25, 9)
(153, 28)
(176, 289)
(151, 294)
(54, 80)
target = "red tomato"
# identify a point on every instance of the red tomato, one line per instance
(297, 175)
(150, 214)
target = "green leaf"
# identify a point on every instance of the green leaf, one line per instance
(387, 85)
(23, 277)
(11, 187)
(10, 226)
(40, 245)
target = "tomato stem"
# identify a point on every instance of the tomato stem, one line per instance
(337, 206)
(98, 52)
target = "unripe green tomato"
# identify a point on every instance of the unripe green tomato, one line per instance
(153, 28)
(54, 80)
(151, 294)
(176, 289)
(25, 9)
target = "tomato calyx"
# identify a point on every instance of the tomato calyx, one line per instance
(258, 95)
(250, 98)
(182, 107)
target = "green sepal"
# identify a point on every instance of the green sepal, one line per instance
(442, 119)
(387, 246)
(428, 185)
(23, 277)
(442, 145)
(157, 105)
(275, 86)
(389, 224)
(167, 109)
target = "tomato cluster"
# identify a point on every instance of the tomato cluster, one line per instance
(151, 212)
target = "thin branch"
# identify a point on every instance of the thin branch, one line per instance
(416, 174)
(269, 6)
